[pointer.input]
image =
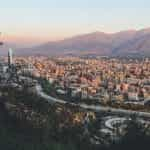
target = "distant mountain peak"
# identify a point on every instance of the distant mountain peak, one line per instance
(99, 43)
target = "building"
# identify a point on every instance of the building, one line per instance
(10, 57)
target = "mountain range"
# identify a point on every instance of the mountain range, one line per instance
(97, 43)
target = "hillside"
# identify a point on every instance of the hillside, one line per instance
(99, 43)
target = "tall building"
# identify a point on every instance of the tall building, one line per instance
(10, 57)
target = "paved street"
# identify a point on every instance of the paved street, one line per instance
(98, 108)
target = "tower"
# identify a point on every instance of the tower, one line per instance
(10, 59)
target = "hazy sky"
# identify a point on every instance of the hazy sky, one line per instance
(40, 20)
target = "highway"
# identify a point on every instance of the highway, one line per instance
(95, 108)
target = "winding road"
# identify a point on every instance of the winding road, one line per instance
(95, 108)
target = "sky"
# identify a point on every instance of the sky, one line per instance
(32, 21)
